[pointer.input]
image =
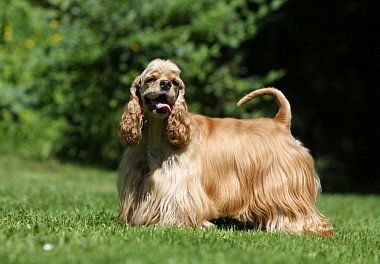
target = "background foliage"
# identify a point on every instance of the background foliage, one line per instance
(66, 67)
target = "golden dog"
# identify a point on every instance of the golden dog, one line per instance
(183, 169)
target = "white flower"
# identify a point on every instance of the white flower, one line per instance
(48, 247)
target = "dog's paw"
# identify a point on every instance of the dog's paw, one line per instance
(206, 224)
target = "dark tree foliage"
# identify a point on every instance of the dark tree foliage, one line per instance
(66, 67)
(330, 51)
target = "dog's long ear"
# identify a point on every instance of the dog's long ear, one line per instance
(178, 129)
(132, 119)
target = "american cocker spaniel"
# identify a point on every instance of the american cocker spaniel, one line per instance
(184, 169)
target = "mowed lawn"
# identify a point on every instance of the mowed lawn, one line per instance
(54, 213)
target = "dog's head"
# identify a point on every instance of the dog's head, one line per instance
(160, 86)
(157, 93)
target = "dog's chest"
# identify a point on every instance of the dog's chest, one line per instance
(155, 143)
(154, 158)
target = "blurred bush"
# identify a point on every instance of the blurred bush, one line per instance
(66, 66)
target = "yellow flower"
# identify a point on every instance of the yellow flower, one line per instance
(53, 24)
(135, 47)
(8, 32)
(30, 42)
(56, 38)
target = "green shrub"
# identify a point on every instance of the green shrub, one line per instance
(66, 66)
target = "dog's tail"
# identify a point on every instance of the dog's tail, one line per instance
(284, 113)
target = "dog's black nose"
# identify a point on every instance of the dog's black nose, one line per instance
(165, 84)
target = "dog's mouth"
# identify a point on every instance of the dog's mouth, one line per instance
(158, 105)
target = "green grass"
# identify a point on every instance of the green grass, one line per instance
(74, 208)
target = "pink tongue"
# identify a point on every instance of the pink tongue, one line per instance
(165, 107)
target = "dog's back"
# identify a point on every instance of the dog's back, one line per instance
(256, 172)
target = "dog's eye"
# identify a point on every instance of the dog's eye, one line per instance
(151, 80)
(175, 82)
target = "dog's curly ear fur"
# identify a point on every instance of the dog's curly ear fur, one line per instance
(132, 119)
(178, 129)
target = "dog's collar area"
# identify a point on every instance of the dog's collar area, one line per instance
(154, 158)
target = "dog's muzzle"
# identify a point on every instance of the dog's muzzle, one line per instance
(158, 103)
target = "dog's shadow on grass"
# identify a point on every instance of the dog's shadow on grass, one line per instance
(232, 224)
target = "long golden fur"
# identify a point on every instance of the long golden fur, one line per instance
(183, 169)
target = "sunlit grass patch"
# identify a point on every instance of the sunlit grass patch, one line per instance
(62, 213)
